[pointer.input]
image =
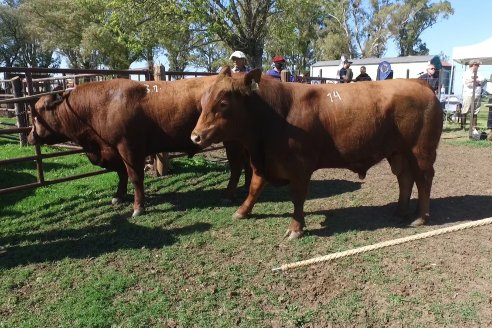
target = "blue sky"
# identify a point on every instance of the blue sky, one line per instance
(471, 23)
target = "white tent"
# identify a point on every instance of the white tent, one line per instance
(462, 55)
(482, 51)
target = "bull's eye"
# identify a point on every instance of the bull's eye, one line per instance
(222, 106)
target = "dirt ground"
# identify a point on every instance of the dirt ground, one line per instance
(437, 281)
(430, 270)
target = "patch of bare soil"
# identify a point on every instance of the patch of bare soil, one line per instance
(432, 277)
(439, 281)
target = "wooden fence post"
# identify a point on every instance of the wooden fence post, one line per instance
(161, 160)
(285, 75)
(20, 109)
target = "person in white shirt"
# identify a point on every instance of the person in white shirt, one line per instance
(470, 84)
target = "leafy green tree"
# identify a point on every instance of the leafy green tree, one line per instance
(12, 35)
(411, 19)
(293, 32)
(210, 56)
(371, 27)
(356, 29)
(18, 47)
(337, 38)
(240, 24)
(61, 25)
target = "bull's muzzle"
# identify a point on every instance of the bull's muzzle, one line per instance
(32, 137)
(196, 138)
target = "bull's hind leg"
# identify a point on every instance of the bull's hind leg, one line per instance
(122, 187)
(299, 190)
(423, 180)
(255, 189)
(401, 167)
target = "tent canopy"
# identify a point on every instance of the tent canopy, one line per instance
(482, 51)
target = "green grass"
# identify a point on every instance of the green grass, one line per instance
(72, 259)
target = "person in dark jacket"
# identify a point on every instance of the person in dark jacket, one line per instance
(363, 76)
(431, 77)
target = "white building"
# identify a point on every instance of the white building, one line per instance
(403, 67)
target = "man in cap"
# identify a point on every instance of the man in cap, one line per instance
(278, 63)
(471, 84)
(239, 60)
(346, 73)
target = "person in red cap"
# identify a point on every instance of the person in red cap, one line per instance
(278, 62)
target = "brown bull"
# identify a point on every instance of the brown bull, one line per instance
(291, 130)
(119, 122)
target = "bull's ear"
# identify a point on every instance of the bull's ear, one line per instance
(225, 70)
(67, 93)
(252, 78)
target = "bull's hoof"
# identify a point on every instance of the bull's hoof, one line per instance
(138, 211)
(417, 223)
(291, 235)
(239, 216)
(116, 200)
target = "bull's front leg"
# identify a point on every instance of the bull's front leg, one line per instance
(134, 163)
(255, 188)
(238, 160)
(234, 154)
(137, 178)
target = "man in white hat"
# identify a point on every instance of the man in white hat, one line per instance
(470, 84)
(239, 60)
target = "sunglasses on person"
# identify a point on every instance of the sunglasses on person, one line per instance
(432, 69)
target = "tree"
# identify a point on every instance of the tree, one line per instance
(210, 56)
(293, 32)
(12, 35)
(371, 27)
(18, 47)
(240, 24)
(356, 29)
(336, 39)
(411, 19)
(61, 25)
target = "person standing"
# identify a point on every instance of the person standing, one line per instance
(363, 76)
(471, 86)
(278, 66)
(346, 73)
(239, 60)
(431, 77)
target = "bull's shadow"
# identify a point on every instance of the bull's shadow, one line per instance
(89, 242)
(453, 209)
(208, 193)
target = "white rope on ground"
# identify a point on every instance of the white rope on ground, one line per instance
(388, 243)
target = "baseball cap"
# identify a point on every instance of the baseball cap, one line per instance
(237, 54)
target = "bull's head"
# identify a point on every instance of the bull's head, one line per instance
(46, 125)
(225, 110)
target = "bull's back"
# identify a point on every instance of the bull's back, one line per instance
(366, 122)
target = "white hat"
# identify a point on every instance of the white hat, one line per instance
(237, 54)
